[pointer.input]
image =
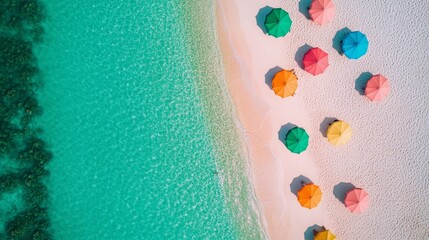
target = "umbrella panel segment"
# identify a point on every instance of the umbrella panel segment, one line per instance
(278, 22)
(315, 61)
(339, 133)
(297, 140)
(322, 11)
(355, 45)
(377, 88)
(325, 235)
(309, 196)
(357, 200)
(285, 83)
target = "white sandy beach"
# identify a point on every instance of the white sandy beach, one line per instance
(387, 155)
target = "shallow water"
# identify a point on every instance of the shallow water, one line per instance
(134, 157)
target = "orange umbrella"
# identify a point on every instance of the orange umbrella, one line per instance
(309, 195)
(315, 61)
(322, 11)
(377, 88)
(285, 83)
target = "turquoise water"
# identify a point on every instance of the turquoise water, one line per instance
(136, 149)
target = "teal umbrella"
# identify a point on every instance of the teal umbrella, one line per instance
(297, 140)
(278, 22)
(355, 45)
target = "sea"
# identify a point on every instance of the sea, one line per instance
(143, 134)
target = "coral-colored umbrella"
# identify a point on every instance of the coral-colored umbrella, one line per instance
(357, 200)
(285, 83)
(377, 88)
(322, 11)
(315, 61)
(309, 195)
(325, 235)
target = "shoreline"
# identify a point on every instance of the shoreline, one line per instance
(228, 53)
(225, 128)
(221, 37)
(258, 118)
(169, 157)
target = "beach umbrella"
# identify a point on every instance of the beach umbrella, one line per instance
(377, 88)
(278, 22)
(322, 11)
(325, 235)
(357, 200)
(285, 83)
(309, 195)
(338, 133)
(315, 61)
(354, 45)
(296, 140)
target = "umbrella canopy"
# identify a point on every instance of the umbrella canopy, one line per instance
(325, 235)
(309, 195)
(296, 140)
(339, 133)
(322, 11)
(315, 61)
(285, 83)
(355, 45)
(377, 88)
(278, 22)
(357, 200)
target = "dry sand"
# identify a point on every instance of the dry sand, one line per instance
(386, 156)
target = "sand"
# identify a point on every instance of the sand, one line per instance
(386, 155)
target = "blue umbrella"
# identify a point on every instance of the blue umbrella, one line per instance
(355, 45)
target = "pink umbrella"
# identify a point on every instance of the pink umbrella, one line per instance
(322, 11)
(315, 61)
(377, 88)
(357, 200)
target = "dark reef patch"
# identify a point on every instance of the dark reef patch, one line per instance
(23, 152)
(30, 224)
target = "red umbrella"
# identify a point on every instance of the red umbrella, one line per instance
(315, 61)
(322, 11)
(377, 88)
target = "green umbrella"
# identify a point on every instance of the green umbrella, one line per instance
(296, 140)
(278, 22)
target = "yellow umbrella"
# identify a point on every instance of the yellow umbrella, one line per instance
(309, 195)
(285, 83)
(325, 235)
(338, 133)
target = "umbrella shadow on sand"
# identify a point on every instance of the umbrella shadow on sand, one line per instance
(284, 130)
(309, 233)
(338, 38)
(299, 55)
(270, 74)
(325, 124)
(303, 7)
(297, 183)
(341, 189)
(361, 82)
(260, 18)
